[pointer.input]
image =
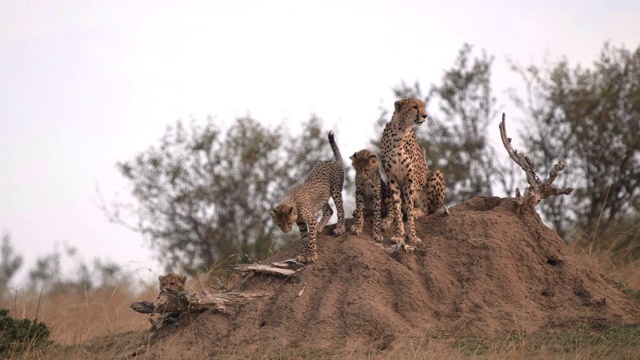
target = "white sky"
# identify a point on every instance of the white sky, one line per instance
(85, 84)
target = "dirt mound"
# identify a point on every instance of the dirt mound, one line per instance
(483, 269)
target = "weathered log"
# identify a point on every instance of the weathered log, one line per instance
(286, 268)
(172, 302)
(537, 190)
(143, 307)
(265, 269)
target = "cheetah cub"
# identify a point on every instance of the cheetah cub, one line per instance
(172, 281)
(371, 192)
(406, 169)
(305, 199)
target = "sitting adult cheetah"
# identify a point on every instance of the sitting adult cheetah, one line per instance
(305, 199)
(407, 171)
(371, 192)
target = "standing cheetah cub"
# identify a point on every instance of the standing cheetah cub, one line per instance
(371, 192)
(305, 199)
(406, 169)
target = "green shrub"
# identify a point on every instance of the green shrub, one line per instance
(16, 335)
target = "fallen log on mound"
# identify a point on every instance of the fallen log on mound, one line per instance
(171, 303)
(285, 268)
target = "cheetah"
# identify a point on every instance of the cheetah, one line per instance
(431, 196)
(411, 184)
(172, 281)
(371, 192)
(305, 199)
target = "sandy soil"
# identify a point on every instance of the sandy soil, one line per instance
(483, 269)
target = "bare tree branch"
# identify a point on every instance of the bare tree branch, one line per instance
(537, 190)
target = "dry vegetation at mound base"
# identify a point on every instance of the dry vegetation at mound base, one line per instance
(486, 281)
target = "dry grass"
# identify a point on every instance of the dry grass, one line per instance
(75, 316)
(100, 324)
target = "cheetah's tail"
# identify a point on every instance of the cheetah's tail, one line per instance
(334, 147)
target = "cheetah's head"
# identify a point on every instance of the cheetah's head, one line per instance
(284, 215)
(364, 161)
(410, 112)
(172, 281)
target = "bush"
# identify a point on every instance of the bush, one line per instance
(16, 335)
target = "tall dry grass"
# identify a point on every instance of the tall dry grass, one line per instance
(76, 316)
(617, 260)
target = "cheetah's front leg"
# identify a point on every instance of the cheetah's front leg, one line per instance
(396, 211)
(377, 215)
(358, 214)
(308, 242)
(411, 227)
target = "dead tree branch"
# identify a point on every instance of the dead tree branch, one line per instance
(286, 268)
(170, 301)
(537, 190)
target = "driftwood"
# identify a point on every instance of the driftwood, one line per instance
(537, 190)
(170, 304)
(286, 268)
(170, 301)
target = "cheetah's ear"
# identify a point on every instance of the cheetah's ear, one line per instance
(291, 210)
(272, 213)
(183, 278)
(160, 278)
(398, 105)
(352, 157)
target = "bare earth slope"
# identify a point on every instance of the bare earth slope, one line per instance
(483, 269)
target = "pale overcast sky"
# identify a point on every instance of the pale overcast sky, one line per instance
(85, 84)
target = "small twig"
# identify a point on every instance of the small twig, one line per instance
(38, 307)
(302, 290)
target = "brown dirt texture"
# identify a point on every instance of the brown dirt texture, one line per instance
(483, 269)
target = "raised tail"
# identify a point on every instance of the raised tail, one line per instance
(334, 147)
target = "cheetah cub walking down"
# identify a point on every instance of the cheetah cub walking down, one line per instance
(305, 199)
(371, 192)
(406, 169)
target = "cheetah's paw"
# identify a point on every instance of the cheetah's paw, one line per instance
(397, 240)
(339, 230)
(413, 239)
(356, 230)
(307, 259)
(378, 237)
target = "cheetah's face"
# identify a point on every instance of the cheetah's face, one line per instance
(284, 216)
(172, 281)
(364, 161)
(411, 111)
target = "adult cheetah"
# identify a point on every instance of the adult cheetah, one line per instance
(406, 168)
